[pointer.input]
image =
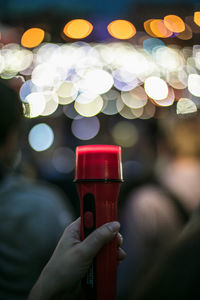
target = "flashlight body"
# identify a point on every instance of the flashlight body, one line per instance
(98, 205)
(98, 174)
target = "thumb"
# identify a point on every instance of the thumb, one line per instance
(98, 238)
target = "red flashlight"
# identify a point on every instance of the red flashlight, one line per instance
(98, 174)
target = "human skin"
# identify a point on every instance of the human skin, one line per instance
(61, 277)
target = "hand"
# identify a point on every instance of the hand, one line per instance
(71, 260)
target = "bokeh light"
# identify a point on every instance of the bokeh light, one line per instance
(66, 89)
(70, 112)
(136, 98)
(156, 88)
(174, 23)
(169, 58)
(147, 27)
(41, 137)
(36, 103)
(159, 29)
(78, 29)
(51, 103)
(168, 101)
(190, 21)
(151, 44)
(186, 34)
(32, 37)
(27, 88)
(125, 134)
(194, 84)
(112, 78)
(90, 109)
(197, 17)
(63, 160)
(98, 81)
(112, 103)
(85, 128)
(127, 113)
(45, 75)
(185, 106)
(148, 111)
(86, 97)
(124, 80)
(121, 29)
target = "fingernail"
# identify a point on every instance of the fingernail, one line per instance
(114, 226)
(121, 237)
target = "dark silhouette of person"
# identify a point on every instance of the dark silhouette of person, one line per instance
(33, 215)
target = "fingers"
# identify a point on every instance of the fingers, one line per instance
(72, 233)
(119, 239)
(101, 236)
(121, 255)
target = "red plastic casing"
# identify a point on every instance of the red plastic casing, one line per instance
(98, 172)
(98, 162)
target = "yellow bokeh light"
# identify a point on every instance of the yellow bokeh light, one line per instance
(137, 112)
(197, 17)
(66, 89)
(158, 28)
(89, 109)
(121, 29)
(32, 37)
(125, 134)
(174, 23)
(127, 113)
(78, 29)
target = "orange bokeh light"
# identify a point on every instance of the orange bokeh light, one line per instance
(32, 37)
(78, 29)
(147, 27)
(121, 29)
(158, 28)
(174, 23)
(197, 17)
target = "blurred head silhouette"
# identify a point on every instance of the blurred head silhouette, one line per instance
(11, 115)
(180, 137)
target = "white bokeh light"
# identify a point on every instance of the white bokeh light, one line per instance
(36, 103)
(194, 84)
(85, 128)
(51, 103)
(156, 88)
(46, 75)
(98, 81)
(185, 106)
(41, 137)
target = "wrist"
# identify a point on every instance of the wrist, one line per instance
(44, 288)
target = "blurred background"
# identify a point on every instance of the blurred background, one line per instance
(98, 72)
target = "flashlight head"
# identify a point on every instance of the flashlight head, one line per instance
(98, 162)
